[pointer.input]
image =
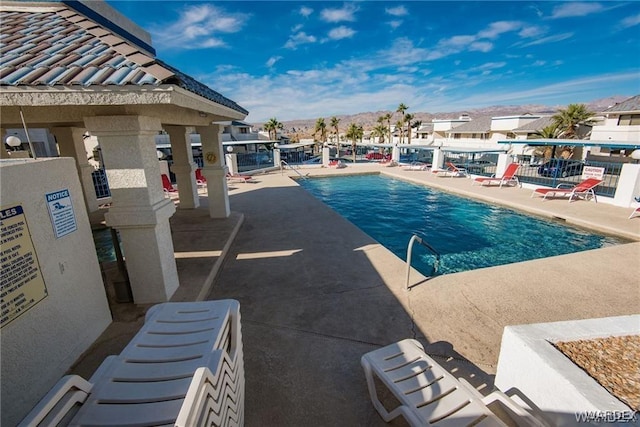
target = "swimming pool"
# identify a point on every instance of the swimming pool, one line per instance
(467, 234)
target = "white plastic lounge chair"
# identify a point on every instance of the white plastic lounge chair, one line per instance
(185, 364)
(417, 166)
(429, 394)
(582, 190)
(509, 176)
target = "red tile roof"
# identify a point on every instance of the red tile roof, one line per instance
(64, 48)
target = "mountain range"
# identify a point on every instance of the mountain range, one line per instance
(303, 128)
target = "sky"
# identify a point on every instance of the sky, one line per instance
(311, 59)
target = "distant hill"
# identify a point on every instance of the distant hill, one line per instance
(304, 127)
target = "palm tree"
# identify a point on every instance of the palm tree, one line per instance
(380, 131)
(334, 125)
(400, 126)
(387, 117)
(354, 133)
(408, 118)
(272, 126)
(321, 128)
(550, 132)
(568, 119)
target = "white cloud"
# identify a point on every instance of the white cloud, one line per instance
(346, 13)
(532, 31)
(197, 26)
(630, 21)
(305, 11)
(571, 9)
(549, 39)
(497, 28)
(298, 39)
(271, 61)
(341, 32)
(296, 28)
(395, 23)
(397, 11)
(481, 46)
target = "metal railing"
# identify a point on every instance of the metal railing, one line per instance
(252, 161)
(423, 242)
(535, 174)
(100, 183)
(284, 165)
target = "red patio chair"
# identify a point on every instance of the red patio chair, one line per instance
(508, 176)
(451, 171)
(239, 178)
(167, 186)
(582, 190)
(200, 179)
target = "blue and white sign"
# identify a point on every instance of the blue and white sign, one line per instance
(63, 218)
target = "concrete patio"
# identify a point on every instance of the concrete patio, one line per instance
(316, 293)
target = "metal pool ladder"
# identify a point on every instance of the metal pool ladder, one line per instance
(420, 239)
(285, 164)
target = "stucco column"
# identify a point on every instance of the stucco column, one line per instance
(71, 144)
(438, 159)
(214, 170)
(139, 209)
(325, 155)
(183, 166)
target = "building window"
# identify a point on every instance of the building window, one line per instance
(244, 130)
(629, 120)
(456, 136)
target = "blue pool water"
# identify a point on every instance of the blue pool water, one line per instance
(466, 234)
(104, 244)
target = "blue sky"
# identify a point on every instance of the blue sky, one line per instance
(310, 59)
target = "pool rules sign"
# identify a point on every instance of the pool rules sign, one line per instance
(61, 212)
(21, 282)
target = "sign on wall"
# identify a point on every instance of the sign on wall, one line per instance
(21, 282)
(61, 212)
(592, 172)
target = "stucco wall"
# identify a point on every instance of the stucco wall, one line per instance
(40, 345)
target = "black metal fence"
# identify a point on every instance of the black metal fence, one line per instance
(547, 172)
(100, 183)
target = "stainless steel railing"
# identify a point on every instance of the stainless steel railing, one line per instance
(421, 240)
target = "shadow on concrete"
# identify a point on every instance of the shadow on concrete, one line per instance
(316, 293)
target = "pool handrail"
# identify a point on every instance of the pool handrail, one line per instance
(285, 164)
(421, 240)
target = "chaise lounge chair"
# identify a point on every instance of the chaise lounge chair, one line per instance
(200, 179)
(417, 166)
(430, 395)
(509, 176)
(582, 190)
(451, 171)
(239, 178)
(167, 186)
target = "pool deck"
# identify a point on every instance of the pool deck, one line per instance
(316, 293)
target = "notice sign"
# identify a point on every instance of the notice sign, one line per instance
(21, 283)
(61, 212)
(592, 172)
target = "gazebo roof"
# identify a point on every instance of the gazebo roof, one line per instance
(53, 45)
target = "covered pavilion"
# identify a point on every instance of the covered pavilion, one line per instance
(74, 67)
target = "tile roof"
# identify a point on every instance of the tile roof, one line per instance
(60, 47)
(631, 104)
(535, 125)
(479, 125)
